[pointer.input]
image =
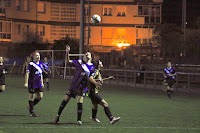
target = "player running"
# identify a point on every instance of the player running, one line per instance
(84, 69)
(25, 65)
(46, 72)
(95, 98)
(3, 71)
(34, 82)
(169, 74)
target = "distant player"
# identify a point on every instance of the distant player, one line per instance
(95, 98)
(46, 72)
(34, 82)
(169, 74)
(3, 71)
(25, 65)
(84, 68)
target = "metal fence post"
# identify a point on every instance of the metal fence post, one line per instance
(177, 82)
(109, 75)
(155, 79)
(135, 78)
(144, 79)
(189, 82)
(126, 78)
(117, 78)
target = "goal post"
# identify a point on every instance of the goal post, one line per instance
(52, 54)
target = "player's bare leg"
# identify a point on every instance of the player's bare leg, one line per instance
(79, 109)
(108, 112)
(94, 113)
(47, 83)
(31, 104)
(2, 88)
(168, 92)
(62, 106)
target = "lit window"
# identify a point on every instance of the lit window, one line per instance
(41, 7)
(121, 11)
(107, 11)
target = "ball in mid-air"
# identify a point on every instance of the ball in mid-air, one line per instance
(95, 18)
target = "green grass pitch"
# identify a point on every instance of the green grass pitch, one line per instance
(141, 111)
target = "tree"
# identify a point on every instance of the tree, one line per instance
(61, 44)
(170, 39)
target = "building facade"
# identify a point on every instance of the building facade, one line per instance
(122, 21)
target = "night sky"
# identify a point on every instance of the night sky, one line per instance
(172, 12)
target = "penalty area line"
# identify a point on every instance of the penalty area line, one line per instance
(29, 127)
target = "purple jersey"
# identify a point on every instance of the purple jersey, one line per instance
(81, 75)
(35, 74)
(46, 66)
(169, 71)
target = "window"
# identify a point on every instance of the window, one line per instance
(41, 7)
(27, 28)
(158, 11)
(18, 5)
(27, 5)
(146, 19)
(87, 12)
(41, 30)
(5, 3)
(5, 29)
(152, 20)
(140, 10)
(121, 11)
(157, 19)
(153, 10)
(107, 11)
(144, 41)
(19, 29)
(138, 41)
(146, 10)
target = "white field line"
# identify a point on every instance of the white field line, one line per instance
(73, 127)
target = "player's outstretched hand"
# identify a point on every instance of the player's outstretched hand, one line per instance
(67, 48)
(98, 84)
(26, 85)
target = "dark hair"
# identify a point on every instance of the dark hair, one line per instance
(96, 63)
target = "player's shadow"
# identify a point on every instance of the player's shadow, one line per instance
(12, 115)
(61, 124)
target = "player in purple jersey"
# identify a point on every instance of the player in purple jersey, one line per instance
(3, 71)
(46, 72)
(169, 74)
(84, 68)
(34, 82)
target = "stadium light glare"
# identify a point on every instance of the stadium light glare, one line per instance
(123, 44)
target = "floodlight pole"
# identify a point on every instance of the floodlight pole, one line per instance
(81, 43)
(88, 36)
(65, 69)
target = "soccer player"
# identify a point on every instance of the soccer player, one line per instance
(95, 98)
(25, 65)
(34, 82)
(3, 71)
(84, 68)
(169, 74)
(46, 72)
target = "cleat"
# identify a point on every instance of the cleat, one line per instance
(33, 115)
(79, 123)
(114, 120)
(95, 120)
(57, 119)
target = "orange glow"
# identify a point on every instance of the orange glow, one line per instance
(123, 44)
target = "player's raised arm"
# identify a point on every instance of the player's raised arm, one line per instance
(67, 50)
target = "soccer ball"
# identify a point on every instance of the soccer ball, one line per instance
(95, 18)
